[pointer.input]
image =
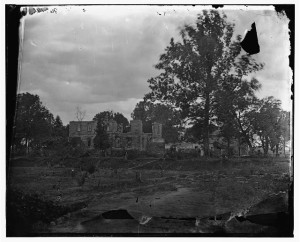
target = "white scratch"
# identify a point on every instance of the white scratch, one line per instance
(33, 43)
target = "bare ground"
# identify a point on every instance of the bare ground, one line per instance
(170, 197)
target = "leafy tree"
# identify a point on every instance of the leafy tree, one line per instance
(196, 131)
(120, 119)
(105, 116)
(150, 112)
(143, 111)
(67, 130)
(101, 141)
(285, 128)
(33, 122)
(193, 68)
(266, 121)
(58, 127)
(234, 102)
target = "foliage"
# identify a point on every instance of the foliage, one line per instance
(235, 100)
(101, 140)
(193, 68)
(59, 130)
(105, 116)
(33, 122)
(195, 133)
(285, 124)
(270, 123)
(76, 142)
(35, 127)
(120, 119)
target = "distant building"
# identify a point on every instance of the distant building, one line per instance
(135, 139)
(85, 130)
(183, 146)
(217, 146)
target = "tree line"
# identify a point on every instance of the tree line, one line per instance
(35, 126)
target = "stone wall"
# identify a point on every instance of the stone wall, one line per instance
(86, 130)
(112, 126)
(133, 140)
(136, 126)
(156, 130)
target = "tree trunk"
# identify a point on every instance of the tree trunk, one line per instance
(239, 143)
(266, 148)
(284, 146)
(206, 125)
(262, 142)
(27, 146)
(244, 133)
(228, 147)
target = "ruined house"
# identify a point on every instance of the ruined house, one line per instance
(218, 145)
(135, 139)
(85, 130)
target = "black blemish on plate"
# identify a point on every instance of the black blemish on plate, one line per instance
(24, 11)
(31, 11)
(250, 42)
(217, 6)
(117, 214)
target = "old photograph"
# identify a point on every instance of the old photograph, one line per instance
(152, 120)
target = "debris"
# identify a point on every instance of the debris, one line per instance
(144, 219)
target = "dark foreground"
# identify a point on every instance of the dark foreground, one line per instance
(239, 197)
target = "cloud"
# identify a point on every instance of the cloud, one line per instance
(102, 57)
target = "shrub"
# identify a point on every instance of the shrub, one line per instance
(76, 142)
(89, 164)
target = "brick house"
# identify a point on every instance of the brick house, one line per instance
(135, 139)
(85, 130)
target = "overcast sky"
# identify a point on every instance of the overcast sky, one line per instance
(100, 57)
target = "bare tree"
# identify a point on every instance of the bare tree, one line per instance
(80, 114)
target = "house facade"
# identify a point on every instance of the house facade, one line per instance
(135, 139)
(85, 130)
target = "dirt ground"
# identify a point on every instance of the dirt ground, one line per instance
(158, 196)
